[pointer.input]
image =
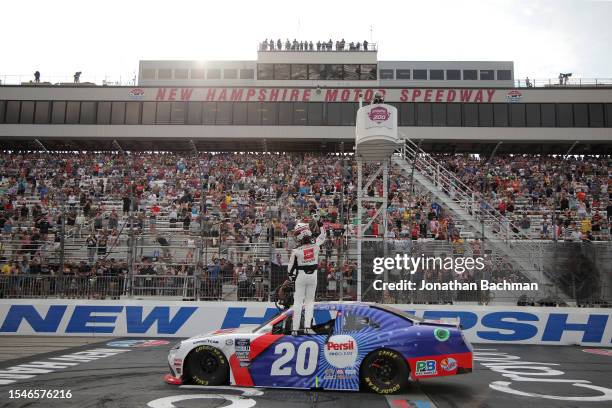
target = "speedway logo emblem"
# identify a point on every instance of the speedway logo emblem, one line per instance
(514, 96)
(426, 367)
(379, 114)
(448, 364)
(341, 351)
(137, 93)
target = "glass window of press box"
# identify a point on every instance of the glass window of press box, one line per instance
(578, 115)
(335, 72)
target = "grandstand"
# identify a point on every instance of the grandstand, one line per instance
(187, 186)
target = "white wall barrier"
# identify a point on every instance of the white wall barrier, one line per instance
(149, 318)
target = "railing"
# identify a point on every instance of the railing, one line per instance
(557, 83)
(458, 191)
(102, 80)
(323, 47)
(495, 225)
(257, 287)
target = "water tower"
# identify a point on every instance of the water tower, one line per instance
(376, 141)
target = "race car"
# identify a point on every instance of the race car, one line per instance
(353, 346)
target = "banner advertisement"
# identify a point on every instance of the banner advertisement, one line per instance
(156, 318)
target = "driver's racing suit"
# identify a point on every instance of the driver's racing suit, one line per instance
(302, 269)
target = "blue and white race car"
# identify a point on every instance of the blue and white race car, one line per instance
(355, 346)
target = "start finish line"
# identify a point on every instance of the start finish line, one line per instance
(146, 318)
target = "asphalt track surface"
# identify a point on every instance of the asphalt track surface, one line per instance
(133, 378)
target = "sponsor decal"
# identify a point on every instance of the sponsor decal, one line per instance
(379, 114)
(137, 93)
(329, 374)
(137, 343)
(514, 96)
(229, 342)
(243, 349)
(514, 369)
(601, 352)
(426, 367)
(341, 351)
(542, 326)
(441, 334)
(207, 341)
(448, 364)
(27, 371)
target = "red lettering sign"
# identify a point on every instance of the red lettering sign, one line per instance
(186, 94)
(331, 95)
(161, 94)
(172, 96)
(236, 94)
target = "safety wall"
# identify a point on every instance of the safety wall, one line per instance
(142, 318)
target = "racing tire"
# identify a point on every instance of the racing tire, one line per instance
(384, 371)
(206, 365)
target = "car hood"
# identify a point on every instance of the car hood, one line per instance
(222, 332)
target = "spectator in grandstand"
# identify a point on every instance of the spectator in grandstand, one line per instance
(279, 44)
(525, 226)
(365, 45)
(77, 77)
(528, 83)
(37, 77)
(91, 243)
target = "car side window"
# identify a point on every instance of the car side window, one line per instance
(354, 322)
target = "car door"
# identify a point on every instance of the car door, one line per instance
(291, 361)
(346, 347)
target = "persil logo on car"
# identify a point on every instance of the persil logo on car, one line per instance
(341, 351)
(349, 345)
(379, 114)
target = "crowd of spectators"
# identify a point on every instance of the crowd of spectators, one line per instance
(145, 211)
(295, 45)
(543, 196)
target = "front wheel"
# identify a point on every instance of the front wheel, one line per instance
(384, 372)
(206, 365)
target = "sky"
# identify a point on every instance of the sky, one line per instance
(108, 38)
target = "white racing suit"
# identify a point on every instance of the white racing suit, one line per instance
(302, 270)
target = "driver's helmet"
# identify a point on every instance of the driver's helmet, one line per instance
(301, 231)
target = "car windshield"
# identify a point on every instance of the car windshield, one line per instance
(398, 312)
(267, 322)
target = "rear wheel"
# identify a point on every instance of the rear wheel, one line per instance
(384, 372)
(206, 365)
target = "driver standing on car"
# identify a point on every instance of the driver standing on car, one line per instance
(302, 270)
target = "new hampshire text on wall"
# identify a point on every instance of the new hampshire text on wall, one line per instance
(528, 325)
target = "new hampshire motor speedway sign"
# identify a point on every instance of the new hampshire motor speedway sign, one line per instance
(143, 318)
